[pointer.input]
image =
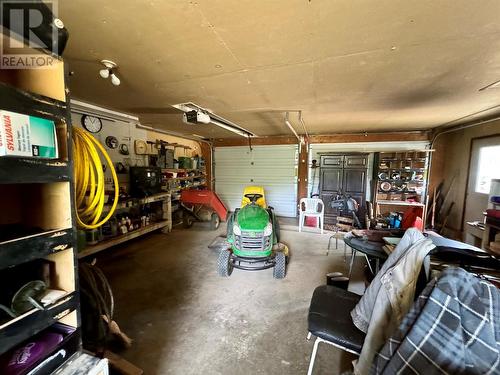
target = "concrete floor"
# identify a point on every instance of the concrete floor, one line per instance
(185, 319)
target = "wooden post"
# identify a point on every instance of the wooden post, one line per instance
(303, 171)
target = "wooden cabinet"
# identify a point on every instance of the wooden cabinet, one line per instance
(331, 180)
(355, 161)
(342, 174)
(332, 161)
(344, 161)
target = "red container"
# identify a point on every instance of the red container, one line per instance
(207, 198)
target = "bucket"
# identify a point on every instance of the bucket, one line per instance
(337, 279)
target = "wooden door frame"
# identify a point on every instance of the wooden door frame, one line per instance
(466, 193)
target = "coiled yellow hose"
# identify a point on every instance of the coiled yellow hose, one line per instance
(89, 180)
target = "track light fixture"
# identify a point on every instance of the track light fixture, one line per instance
(109, 71)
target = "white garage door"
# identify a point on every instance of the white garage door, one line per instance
(273, 167)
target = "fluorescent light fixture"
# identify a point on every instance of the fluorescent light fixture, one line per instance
(215, 119)
(494, 85)
(199, 136)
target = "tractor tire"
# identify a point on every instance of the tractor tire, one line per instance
(224, 264)
(187, 220)
(279, 270)
(214, 221)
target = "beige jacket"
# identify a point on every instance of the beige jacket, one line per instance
(389, 296)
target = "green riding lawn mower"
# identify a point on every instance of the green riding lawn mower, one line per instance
(253, 236)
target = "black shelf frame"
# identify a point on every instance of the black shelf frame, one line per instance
(37, 246)
(64, 350)
(22, 328)
(15, 169)
(20, 170)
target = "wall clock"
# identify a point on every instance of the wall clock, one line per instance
(124, 149)
(91, 123)
(141, 147)
(111, 142)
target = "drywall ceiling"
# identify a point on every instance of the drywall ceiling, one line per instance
(349, 65)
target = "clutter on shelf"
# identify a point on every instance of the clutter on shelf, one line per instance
(400, 188)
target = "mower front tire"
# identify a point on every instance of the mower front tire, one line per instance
(224, 264)
(279, 270)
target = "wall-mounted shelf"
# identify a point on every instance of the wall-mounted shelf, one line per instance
(103, 245)
(400, 203)
(165, 222)
(186, 177)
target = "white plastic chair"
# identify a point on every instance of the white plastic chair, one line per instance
(312, 207)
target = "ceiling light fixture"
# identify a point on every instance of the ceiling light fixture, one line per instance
(109, 71)
(194, 114)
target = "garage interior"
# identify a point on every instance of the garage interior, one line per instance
(263, 187)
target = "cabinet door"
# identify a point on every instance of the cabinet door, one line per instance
(356, 161)
(354, 181)
(331, 180)
(332, 161)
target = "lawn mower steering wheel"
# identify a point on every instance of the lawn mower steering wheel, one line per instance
(253, 197)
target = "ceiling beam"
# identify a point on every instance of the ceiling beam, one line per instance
(328, 138)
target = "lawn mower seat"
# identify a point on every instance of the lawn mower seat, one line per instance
(250, 190)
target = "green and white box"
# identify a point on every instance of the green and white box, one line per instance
(29, 136)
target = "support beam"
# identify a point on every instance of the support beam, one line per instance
(303, 171)
(371, 137)
(328, 138)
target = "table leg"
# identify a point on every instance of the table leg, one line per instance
(353, 255)
(369, 264)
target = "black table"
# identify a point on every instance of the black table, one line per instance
(447, 251)
(369, 249)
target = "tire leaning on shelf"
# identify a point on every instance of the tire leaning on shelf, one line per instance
(89, 180)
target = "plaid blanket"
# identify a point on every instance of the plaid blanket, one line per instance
(453, 328)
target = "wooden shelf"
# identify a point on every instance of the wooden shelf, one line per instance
(185, 178)
(172, 170)
(90, 250)
(139, 201)
(400, 203)
(36, 246)
(24, 326)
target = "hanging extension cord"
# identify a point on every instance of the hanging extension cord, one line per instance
(89, 180)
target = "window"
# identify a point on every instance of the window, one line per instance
(488, 168)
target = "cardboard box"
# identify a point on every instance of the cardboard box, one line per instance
(28, 136)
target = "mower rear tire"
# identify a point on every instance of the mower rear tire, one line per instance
(224, 264)
(279, 270)
(214, 221)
